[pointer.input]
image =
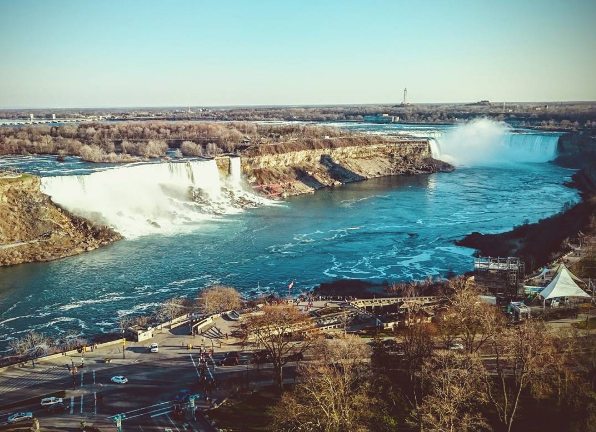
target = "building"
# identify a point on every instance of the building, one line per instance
(502, 277)
(139, 333)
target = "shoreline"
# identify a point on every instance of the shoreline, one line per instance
(542, 242)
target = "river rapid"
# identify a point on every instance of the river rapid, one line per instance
(386, 229)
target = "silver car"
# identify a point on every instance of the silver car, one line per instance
(119, 379)
(17, 417)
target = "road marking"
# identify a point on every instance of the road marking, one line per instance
(94, 377)
(72, 404)
(195, 365)
(144, 408)
(173, 424)
(160, 413)
(94, 401)
(81, 404)
(154, 413)
(82, 375)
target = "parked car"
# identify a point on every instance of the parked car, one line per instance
(154, 347)
(119, 379)
(17, 417)
(49, 401)
(456, 346)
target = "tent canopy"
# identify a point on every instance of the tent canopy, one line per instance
(563, 285)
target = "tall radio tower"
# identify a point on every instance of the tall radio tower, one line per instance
(405, 96)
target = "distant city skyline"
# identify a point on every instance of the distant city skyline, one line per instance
(67, 54)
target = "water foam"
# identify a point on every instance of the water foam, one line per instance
(161, 198)
(487, 142)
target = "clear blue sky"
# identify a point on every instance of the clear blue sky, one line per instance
(222, 52)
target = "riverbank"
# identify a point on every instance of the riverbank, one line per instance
(542, 242)
(33, 228)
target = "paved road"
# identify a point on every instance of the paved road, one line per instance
(146, 399)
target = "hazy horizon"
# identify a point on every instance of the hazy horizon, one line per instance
(248, 106)
(67, 54)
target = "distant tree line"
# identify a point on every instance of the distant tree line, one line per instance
(129, 141)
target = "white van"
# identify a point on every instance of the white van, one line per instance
(154, 347)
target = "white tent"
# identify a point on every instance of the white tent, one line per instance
(563, 286)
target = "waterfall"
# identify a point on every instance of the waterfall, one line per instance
(235, 172)
(435, 149)
(487, 142)
(160, 198)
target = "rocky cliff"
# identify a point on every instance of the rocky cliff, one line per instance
(33, 228)
(577, 149)
(303, 171)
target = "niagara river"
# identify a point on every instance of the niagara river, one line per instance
(384, 229)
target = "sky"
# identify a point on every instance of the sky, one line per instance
(128, 53)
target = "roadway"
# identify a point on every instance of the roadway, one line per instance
(154, 381)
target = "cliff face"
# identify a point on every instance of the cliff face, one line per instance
(33, 228)
(304, 171)
(577, 149)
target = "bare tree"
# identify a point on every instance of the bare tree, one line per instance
(469, 318)
(525, 357)
(212, 149)
(33, 345)
(417, 346)
(73, 340)
(454, 394)
(279, 329)
(333, 392)
(170, 309)
(218, 298)
(92, 153)
(189, 148)
(154, 148)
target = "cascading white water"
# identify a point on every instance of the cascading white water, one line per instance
(235, 172)
(137, 200)
(487, 142)
(435, 149)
